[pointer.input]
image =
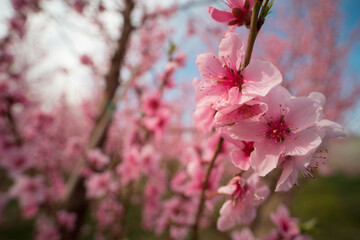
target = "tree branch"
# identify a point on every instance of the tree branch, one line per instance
(195, 227)
(253, 33)
(75, 192)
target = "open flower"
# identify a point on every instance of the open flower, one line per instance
(310, 163)
(226, 87)
(239, 14)
(245, 195)
(283, 130)
(285, 224)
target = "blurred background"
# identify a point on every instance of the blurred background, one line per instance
(63, 51)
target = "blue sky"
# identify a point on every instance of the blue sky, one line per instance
(351, 13)
(80, 43)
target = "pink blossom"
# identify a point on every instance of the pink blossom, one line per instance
(157, 123)
(240, 13)
(286, 225)
(225, 86)
(30, 191)
(152, 206)
(309, 163)
(16, 162)
(177, 210)
(249, 111)
(66, 219)
(151, 103)
(45, 231)
(149, 159)
(283, 130)
(240, 157)
(97, 159)
(100, 184)
(196, 173)
(204, 118)
(108, 212)
(129, 169)
(245, 195)
(245, 234)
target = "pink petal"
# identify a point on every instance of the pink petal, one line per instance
(220, 15)
(288, 177)
(247, 131)
(260, 77)
(210, 66)
(247, 215)
(237, 3)
(302, 113)
(261, 194)
(274, 99)
(228, 189)
(318, 97)
(204, 118)
(328, 129)
(304, 142)
(227, 219)
(245, 234)
(265, 157)
(207, 93)
(239, 159)
(233, 100)
(231, 50)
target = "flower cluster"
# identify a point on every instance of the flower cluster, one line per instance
(286, 228)
(268, 126)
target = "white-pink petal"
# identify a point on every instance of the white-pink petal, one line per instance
(260, 77)
(210, 66)
(302, 113)
(247, 131)
(230, 50)
(239, 159)
(303, 143)
(220, 15)
(288, 176)
(265, 157)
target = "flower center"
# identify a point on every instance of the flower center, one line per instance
(248, 148)
(248, 111)
(277, 130)
(239, 192)
(231, 79)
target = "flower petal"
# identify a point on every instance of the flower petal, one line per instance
(260, 77)
(227, 217)
(204, 118)
(288, 177)
(236, 3)
(303, 113)
(265, 157)
(220, 15)
(210, 66)
(239, 159)
(304, 142)
(207, 93)
(328, 129)
(247, 131)
(231, 49)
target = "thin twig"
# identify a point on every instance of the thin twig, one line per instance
(252, 34)
(195, 227)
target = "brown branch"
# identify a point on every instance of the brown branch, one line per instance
(74, 200)
(195, 227)
(14, 129)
